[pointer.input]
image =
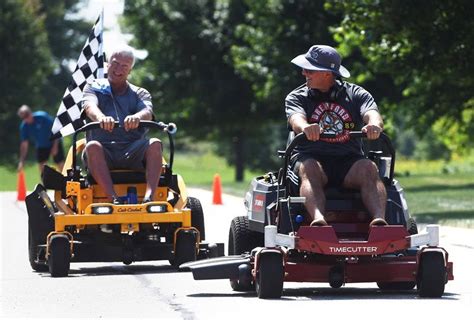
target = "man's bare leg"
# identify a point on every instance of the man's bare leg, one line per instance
(154, 163)
(98, 167)
(364, 176)
(313, 179)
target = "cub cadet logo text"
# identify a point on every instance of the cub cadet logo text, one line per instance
(353, 249)
(129, 210)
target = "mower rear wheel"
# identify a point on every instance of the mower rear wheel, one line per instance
(33, 253)
(241, 240)
(59, 256)
(432, 274)
(270, 275)
(197, 216)
(402, 285)
(185, 247)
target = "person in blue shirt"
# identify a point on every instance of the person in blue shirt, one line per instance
(36, 126)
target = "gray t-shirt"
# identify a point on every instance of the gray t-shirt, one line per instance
(337, 116)
(118, 107)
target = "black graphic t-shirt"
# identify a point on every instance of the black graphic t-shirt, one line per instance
(336, 116)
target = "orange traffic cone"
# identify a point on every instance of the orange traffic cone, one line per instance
(216, 190)
(21, 186)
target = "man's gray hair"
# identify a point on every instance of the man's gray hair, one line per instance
(125, 51)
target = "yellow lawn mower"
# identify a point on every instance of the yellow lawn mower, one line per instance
(80, 225)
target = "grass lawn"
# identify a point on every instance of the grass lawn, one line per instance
(441, 198)
(436, 192)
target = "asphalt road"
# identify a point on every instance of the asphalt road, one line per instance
(155, 290)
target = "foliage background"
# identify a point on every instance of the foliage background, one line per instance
(220, 68)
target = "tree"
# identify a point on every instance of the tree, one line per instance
(25, 58)
(189, 70)
(66, 36)
(222, 68)
(426, 46)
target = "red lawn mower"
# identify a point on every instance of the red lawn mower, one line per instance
(272, 245)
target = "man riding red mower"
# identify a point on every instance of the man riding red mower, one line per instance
(271, 244)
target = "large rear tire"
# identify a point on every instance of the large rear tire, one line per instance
(241, 240)
(270, 275)
(432, 274)
(197, 216)
(59, 256)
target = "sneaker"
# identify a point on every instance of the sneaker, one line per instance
(318, 223)
(146, 200)
(378, 222)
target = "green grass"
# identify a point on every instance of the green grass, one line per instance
(441, 198)
(436, 191)
(9, 177)
(198, 170)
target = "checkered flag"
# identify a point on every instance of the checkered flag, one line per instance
(90, 66)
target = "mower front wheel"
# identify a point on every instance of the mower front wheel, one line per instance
(432, 275)
(270, 275)
(59, 256)
(241, 240)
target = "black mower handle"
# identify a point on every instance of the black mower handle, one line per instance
(170, 127)
(301, 137)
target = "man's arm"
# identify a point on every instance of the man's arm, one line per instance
(299, 123)
(374, 124)
(132, 121)
(93, 112)
(23, 152)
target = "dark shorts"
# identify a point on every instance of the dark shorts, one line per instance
(335, 168)
(125, 155)
(42, 154)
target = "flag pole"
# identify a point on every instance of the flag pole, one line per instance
(101, 48)
(89, 67)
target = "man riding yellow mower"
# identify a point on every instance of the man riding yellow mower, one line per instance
(80, 225)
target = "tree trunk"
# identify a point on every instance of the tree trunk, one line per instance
(239, 156)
